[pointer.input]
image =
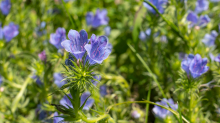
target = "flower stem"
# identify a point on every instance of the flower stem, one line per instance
(93, 120)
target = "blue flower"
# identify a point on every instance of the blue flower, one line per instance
(57, 119)
(89, 102)
(197, 21)
(66, 102)
(37, 79)
(142, 36)
(135, 114)
(40, 30)
(5, 7)
(10, 31)
(185, 63)
(107, 30)
(182, 56)
(209, 39)
(198, 66)
(76, 43)
(41, 114)
(97, 77)
(103, 90)
(98, 50)
(58, 79)
(161, 112)
(201, 5)
(58, 37)
(217, 58)
(100, 18)
(1, 32)
(159, 4)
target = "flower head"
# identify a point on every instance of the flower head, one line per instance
(135, 114)
(42, 56)
(10, 31)
(98, 50)
(89, 102)
(107, 30)
(58, 79)
(217, 58)
(201, 5)
(209, 39)
(185, 63)
(58, 37)
(103, 90)
(57, 119)
(5, 7)
(161, 112)
(197, 21)
(198, 66)
(76, 43)
(100, 18)
(159, 4)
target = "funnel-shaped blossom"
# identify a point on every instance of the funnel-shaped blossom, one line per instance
(135, 114)
(98, 50)
(57, 119)
(76, 43)
(201, 5)
(185, 63)
(197, 21)
(58, 79)
(58, 37)
(10, 31)
(103, 90)
(161, 112)
(217, 58)
(198, 66)
(159, 4)
(209, 39)
(5, 7)
(100, 18)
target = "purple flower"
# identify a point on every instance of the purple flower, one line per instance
(10, 31)
(97, 77)
(212, 57)
(198, 66)
(197, 21)
(142, 36)
(182, 56)
(40, 30)
(5, 7)
(89, 102)
(103, 90)
(161, 112)
(135, 114)
(76, 43)
(58, 79)
(58, 37)
(201, 5)
(57, 119)
(98, 50)
(185, 63)
(159, 4)
(37, 79)
(217, 58)
(107, 30)
(42, 56)
(100, 18)
(66, 102)
(209, 39)
(41, 114)
(1, 32)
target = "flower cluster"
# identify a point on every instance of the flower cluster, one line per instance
(100, 18)
(195, 65)
(9, 32)
(159, 4)
(5, 7)
(161, 112)
(97, 51)
(197, 21)
(58, 37)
